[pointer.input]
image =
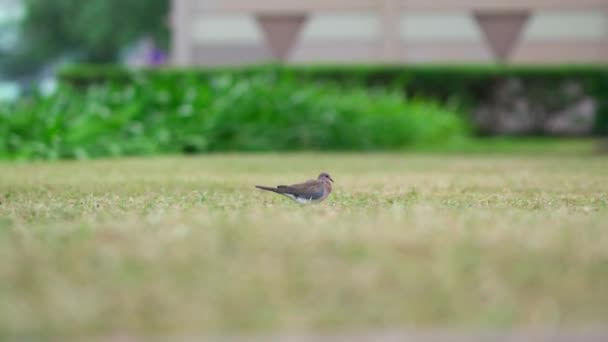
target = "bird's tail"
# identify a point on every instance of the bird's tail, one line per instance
(267, 188)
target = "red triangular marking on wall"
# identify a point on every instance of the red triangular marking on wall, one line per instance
(502, 31)
(281, 32)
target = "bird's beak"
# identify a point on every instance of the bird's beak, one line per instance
(331, 179)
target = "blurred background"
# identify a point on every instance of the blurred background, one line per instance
(535, 67)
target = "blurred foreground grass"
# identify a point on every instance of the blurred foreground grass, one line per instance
(187, 245)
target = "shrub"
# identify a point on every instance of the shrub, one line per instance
(224, 112)
(464, 87)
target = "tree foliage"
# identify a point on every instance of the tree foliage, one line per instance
(93, 31)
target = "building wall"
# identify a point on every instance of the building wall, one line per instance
(557, 36)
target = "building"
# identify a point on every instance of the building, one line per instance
(211, 32)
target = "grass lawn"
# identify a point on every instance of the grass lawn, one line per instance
(187, 245)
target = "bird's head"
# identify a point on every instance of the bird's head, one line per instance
(325, 176)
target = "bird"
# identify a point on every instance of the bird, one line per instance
(309, 192)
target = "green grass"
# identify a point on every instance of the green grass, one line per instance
(515, 146)
(187, 246)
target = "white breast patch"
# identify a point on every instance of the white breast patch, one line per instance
(300, 200)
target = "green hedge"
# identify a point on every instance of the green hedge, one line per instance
(151, 113)
(105, 111)
(461, 87)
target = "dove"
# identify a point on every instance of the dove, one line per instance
(309, 192)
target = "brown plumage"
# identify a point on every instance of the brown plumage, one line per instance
(312, 191)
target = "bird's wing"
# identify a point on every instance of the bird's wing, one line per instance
(312, 189)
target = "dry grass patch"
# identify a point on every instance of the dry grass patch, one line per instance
(188, 245)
